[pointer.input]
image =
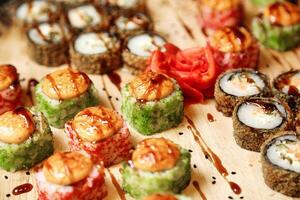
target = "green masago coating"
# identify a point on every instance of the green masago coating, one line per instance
(281, 38)
(58, 112)
(153, 116)
(140, 183)
(263, 2)
(32, 151)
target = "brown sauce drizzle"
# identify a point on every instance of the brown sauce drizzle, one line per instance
(121, 193)
(26, 114)
(212, 156)
(54, 85)
(155, 85)
(30, 86)
(210, 117)
(105, 119)
(275, 14)
(24, 188)
(197, 187)
(277, 59)
(234, 31)
(115, 79)
(265, 105)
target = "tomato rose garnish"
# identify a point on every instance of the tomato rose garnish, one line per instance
(194, 69)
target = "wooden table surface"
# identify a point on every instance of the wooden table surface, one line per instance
(174, 19)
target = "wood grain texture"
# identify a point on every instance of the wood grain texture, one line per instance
(175, 19)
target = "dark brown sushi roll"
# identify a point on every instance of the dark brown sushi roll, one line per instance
(280, 158)
(287, 88)
(236, 85)
(256, 119)
(138, 48)
(35, 12)
(48, 43)
(128, 24)
(87, 17)
(95, 53)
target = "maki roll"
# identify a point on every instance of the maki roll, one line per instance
(280, 158)
(95, 53)
(257, 119)
(234, 48)
(152, 103)
(278, 27)
(48, 44)
(236, 85)
(10, 89)
(216, 14)
(166, 197)
(157, 166)
(70, 175)
(87, 17)
(63, 93)
(287, 88)
(32, 12)
(25, 139)
(138, 48)
(102, 133)
(126, 25)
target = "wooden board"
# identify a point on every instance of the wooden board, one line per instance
(175, 19)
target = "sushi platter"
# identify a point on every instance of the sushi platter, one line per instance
(218, 162)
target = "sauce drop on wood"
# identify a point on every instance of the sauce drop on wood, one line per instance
(24, 188)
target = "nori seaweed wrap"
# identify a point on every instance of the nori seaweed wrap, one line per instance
(281, 163)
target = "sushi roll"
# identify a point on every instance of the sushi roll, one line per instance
(32, 12)
(215, 14)
(138, 48)
(126, 25)
(70, 175)
(96, 53)
(87, 17)
(152, 103)
(10, 89)
(278, 27)
(157, 166)
(234, 48)
(281, 163)
(25, 139)
(102, 133)
(166, 197)
(63, 93)
(48, 44)
(287, 88)
(236, 85)
(257, 119)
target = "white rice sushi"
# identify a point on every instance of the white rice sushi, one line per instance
(87, 17)
(126, 25)
(281, 163)
(96, 53)
(36, 12)
(236, 85)
(256, 119)
(48, 43)
(139, 47)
